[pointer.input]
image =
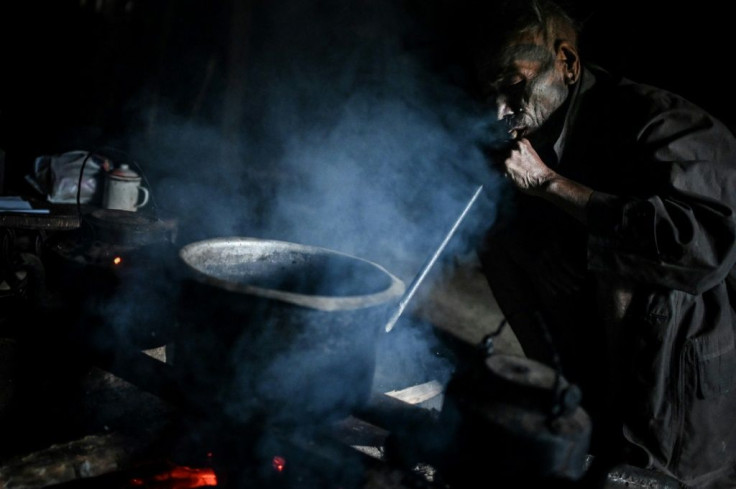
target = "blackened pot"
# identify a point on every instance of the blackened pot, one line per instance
(280, 330)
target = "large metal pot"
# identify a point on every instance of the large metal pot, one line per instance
(279, 329)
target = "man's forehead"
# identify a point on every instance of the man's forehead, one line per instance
(526, 50)
(523, 53)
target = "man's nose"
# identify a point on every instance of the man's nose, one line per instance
(503, 109)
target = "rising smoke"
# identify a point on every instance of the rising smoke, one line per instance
(352, 139)
(355, 137)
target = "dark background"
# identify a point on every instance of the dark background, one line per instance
(141, 78)
(88, 71)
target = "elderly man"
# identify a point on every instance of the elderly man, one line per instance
(619, 244)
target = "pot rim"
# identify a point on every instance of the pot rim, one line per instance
(325, 303)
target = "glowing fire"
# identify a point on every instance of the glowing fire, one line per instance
(278, 463)
(117, 260)
(179, 478)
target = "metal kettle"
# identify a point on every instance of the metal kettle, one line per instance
(514, 417)
(124, 190)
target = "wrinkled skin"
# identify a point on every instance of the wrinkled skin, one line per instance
(530, 82)
(530, 87)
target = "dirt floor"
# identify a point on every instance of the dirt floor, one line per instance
(460, 302)
(453, 307)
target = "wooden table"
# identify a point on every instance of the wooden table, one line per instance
(61, 217)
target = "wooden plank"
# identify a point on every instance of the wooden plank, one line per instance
(417, 393)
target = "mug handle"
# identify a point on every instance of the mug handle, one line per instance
(145, 197)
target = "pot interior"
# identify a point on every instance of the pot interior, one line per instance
(247, 263)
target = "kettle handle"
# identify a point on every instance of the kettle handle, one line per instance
(145, 197)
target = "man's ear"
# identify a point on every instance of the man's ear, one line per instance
(567, 55)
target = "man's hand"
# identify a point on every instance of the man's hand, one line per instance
(526, 169)
(531, 175)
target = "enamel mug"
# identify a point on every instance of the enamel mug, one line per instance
(123, 190)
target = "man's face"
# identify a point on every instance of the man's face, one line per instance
(527, 84)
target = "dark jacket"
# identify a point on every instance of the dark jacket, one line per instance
(640, 303)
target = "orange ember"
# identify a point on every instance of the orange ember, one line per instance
(117, 260)
(278, 463)
(179, 478)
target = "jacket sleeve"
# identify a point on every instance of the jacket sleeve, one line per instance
(682, 233)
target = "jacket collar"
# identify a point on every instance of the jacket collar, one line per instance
(585, 83)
